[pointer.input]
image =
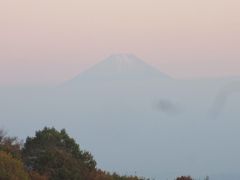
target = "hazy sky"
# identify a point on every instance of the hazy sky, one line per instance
(49, 41)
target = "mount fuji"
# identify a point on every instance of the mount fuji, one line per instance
(120, 67)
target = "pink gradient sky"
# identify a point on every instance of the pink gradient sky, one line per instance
(50, 41)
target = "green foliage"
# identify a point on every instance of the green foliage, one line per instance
(11, 168)
(56, 155)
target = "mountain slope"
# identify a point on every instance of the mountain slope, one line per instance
(121, 67)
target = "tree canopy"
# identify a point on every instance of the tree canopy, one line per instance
(56, 155)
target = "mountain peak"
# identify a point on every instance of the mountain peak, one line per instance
(121, 67)
(124, 58)
(124, 62)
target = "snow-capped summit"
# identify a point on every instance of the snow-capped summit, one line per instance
(124, 62)
(121, 67)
